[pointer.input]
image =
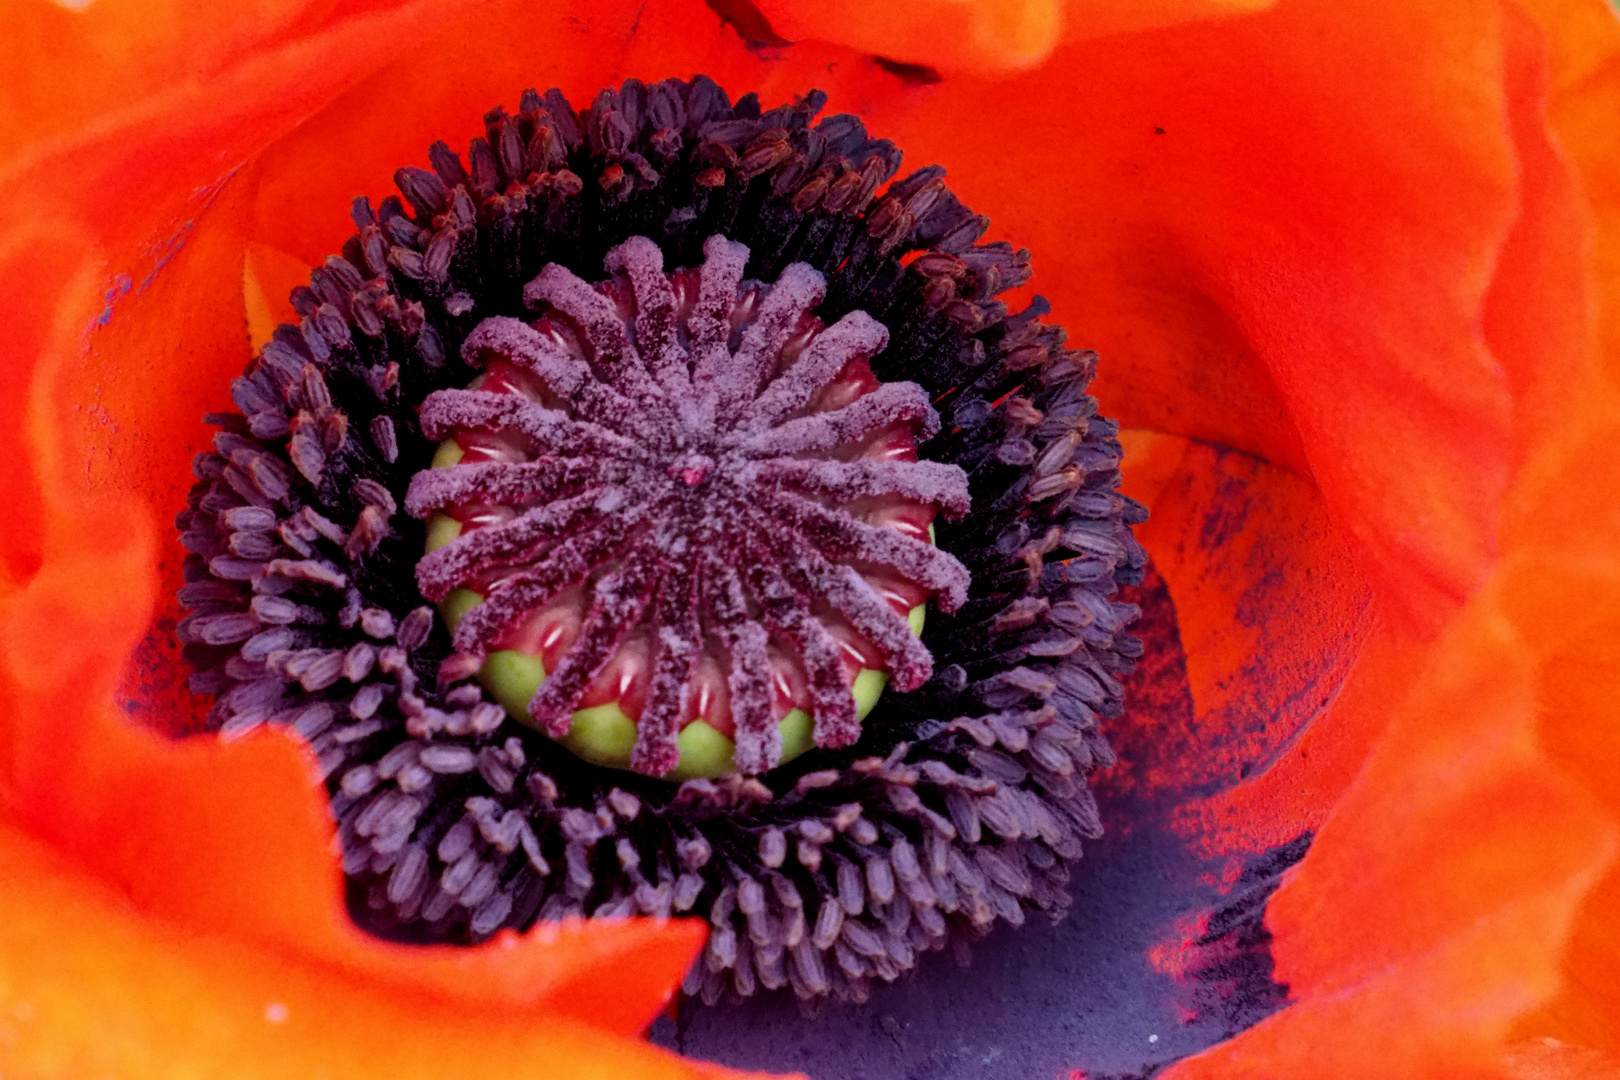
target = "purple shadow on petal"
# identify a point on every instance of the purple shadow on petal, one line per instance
(1302, 607)
(1040, 1001)
(910, 74)
(750, 24)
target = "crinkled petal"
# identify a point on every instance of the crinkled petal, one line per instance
(1431, 910)
(1482, 829)
(1563, 595)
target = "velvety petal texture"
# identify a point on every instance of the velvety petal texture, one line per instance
(1354, 270)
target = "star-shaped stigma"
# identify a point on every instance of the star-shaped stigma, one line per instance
(688, 495)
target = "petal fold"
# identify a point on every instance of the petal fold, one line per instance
(91, 986)
(949, 35)
(978, 37)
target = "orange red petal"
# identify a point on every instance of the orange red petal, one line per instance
(1348, 241)
(1505, 817)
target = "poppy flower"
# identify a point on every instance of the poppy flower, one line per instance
(1350, 274)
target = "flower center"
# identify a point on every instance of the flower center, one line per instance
(672, 506)
(692, 524)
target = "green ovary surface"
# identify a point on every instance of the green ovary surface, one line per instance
(603, 734)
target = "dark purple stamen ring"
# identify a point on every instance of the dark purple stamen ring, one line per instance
(965, 800)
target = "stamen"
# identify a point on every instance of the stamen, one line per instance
(722, 515)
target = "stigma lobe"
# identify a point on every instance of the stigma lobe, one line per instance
(686, 494)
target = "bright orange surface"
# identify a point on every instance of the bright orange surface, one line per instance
(91, 986)
(1353, 267)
